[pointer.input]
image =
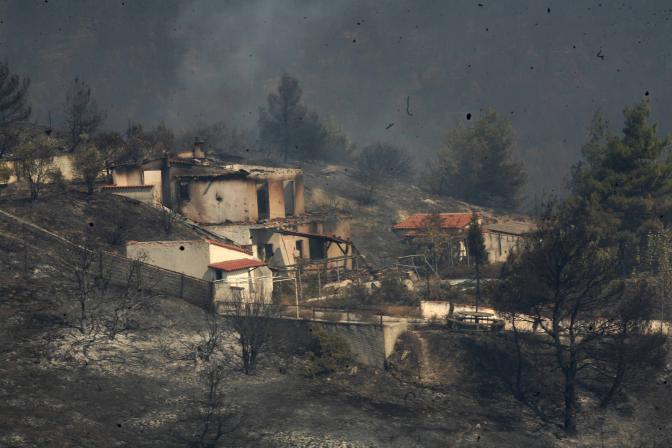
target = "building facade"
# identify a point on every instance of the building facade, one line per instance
(209, 260)
(259, 208)
(501, 237)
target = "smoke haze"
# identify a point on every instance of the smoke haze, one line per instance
(548, 65)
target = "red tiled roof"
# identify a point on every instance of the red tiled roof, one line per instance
(230, 246)
(125, 187)
(237, 265)
(448, 221)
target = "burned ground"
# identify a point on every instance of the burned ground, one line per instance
(140, 390)
(106, 219)
(334, 186)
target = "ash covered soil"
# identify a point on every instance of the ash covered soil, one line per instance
(330, 187)
(111, 220)
(133, 393)
(139, 390)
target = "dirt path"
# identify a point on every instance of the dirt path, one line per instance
(428, 374)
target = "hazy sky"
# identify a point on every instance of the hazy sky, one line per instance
(548, 65)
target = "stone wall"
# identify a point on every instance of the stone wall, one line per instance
(371, 344)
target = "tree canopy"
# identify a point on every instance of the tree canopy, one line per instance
(476, 164)
(14, 106)
(625, 182)
(288, 127)
(82, 116)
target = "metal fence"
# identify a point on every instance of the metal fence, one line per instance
(372, 315)
(39, 244)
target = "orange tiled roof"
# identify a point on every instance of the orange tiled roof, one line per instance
(448, 221)
(237, 265)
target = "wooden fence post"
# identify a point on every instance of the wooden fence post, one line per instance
(296, 292)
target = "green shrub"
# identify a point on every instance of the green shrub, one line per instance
(57, 180)
(393, 290)
(328, 352)
(355, 295)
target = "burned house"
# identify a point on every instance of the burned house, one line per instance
(501, 237)
(453, 227)
(260, 208)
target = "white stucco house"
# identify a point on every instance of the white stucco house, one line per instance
(224, 264)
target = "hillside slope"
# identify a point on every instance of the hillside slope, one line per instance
(142, 389)
(333, 186)
(102, 219)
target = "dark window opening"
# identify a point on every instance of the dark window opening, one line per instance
(262, 201)
(288, 188)
(218, 275)
(184, 191)
(299, 248)
(265, 251)
(317, 249)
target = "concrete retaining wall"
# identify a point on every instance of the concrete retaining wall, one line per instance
(371, 344)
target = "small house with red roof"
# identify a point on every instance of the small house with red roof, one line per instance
(415, 225)
(418, 228)
(212, 260)
(501, 237)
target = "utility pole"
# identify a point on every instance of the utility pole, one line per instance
(296, 291)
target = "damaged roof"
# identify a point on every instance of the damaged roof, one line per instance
(333, 238)
(518, 228)
(448, 221)
(177, 243)
(211, 169)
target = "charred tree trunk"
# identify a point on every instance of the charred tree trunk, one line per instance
(620, 371)
(519, 361)
(478, 284)
(570, 400)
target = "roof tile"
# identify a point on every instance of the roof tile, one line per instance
(237, 265)
(448, 221)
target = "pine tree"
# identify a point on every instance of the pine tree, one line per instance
(82, 116)
(288, 127)
(282, 120)
(14, 106)
(477, 165)
(625, 183)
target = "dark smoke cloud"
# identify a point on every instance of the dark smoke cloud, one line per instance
(548, 65)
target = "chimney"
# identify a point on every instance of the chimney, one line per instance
(199, 148)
